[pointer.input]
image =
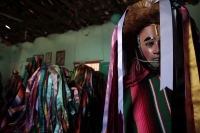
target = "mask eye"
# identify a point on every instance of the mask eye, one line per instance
(150, 44)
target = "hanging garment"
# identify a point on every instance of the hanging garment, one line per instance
(11, 87)
(12, 114)
(94, 85)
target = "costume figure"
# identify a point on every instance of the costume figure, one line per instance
(11, 86)
(146, 107)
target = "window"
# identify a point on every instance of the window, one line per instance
(92, 64)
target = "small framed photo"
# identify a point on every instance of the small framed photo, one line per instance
(48, 57)
(60, 58)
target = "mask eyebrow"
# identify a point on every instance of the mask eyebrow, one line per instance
(149, 38)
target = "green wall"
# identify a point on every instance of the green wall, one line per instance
(77, 46)
(5, 58)
(195, 13)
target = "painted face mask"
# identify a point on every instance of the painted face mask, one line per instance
(149, 46)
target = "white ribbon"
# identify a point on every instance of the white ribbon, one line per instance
(120, 65)
(166, 45)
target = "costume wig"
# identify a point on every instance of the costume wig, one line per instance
(138, 16)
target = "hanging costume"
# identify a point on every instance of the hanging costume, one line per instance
(56, 101)
(139, 105)
(12, 112)
(94, 84)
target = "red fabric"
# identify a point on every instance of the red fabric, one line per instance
(188, 102)
(113, 106)
(143, 111)
(134, 76)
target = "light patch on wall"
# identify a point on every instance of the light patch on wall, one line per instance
(93, 64)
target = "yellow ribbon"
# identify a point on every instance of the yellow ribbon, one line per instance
(194, 80)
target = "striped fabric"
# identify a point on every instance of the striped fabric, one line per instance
(147, 109)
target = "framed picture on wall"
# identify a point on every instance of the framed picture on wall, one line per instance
(48, 57)
(60, 58)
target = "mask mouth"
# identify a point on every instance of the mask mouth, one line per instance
(156, 59)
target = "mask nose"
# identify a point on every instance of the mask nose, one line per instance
(157, 47)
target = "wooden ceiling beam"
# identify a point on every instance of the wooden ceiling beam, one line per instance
(80, 14)
(39, 9)
(109, 7)
(44, 17)
(42, 10)
(64, 13)
(68, 4)
(91, 10)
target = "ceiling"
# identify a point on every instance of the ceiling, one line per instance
(29, 19)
